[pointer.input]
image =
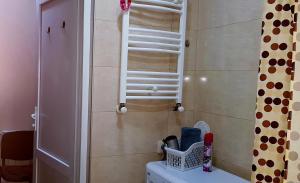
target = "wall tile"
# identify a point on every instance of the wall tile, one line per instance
(192, 16)
(105, 88)
(191, 51)
(178, 120)
(233, 140)
(189, 90)
(149, 105)
(121, 169)
(107, 44)
(149, 61)
(220, 71)
(216, 13)
(147, 18)
(233, 47)
(230, 93)
(108, 10)
(135, 132)
(231, 167)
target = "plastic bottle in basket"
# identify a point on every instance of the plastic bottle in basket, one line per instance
(207, 161)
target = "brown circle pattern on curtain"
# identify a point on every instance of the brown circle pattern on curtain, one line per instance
(292, 173)
(274, 94)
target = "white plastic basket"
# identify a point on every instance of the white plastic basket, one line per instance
(190, 159)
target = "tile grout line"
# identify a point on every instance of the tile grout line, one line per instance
(125, 154)
(226, 25)
(228, 116)
(234, 70)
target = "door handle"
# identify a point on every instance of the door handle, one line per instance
(34, 116)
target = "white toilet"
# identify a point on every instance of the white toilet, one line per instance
(157, 172)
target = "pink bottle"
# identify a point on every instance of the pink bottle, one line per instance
(207, 158)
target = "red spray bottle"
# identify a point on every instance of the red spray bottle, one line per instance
(207, 158)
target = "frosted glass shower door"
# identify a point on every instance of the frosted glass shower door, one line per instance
(59, 105)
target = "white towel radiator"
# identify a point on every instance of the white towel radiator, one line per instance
(146, 85)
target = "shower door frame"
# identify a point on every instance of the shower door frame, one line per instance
(85, 35)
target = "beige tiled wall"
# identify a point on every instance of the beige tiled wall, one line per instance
(123, 144)
(224, 47)
(227, 54)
